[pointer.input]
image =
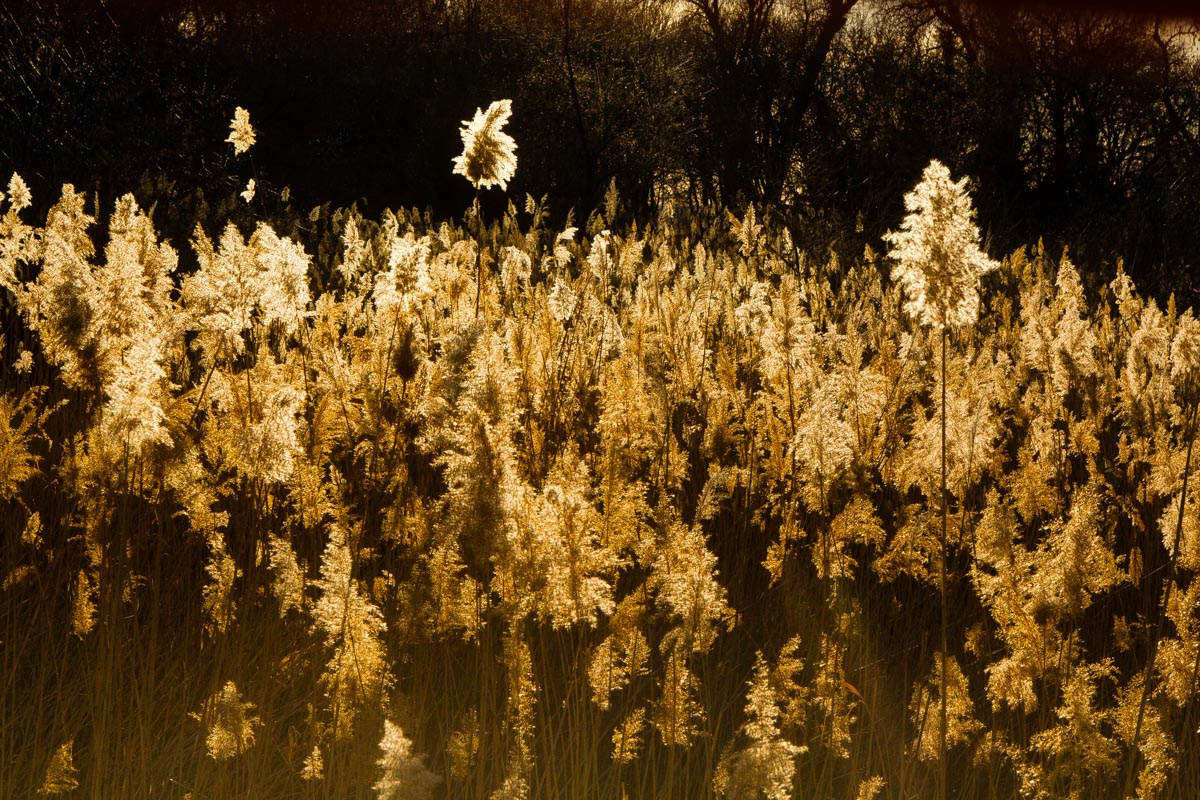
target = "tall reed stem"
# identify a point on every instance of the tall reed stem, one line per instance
(945, 519)
(478, 255)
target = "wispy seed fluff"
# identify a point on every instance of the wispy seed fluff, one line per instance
(404, 773)
(1185, 350)
(231, 723)
(19, 197)
(765, 766)
(489, 156)
(937, 250)
(241, 132)
(61, 776)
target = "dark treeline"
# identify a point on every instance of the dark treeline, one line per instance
(1080, 126)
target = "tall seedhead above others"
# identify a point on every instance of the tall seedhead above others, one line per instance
(489, 156)
(937, 250)
(241, 133)
(939, 264)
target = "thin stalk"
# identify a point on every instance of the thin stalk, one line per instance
(945, 520)
(204, 388)
(479, 254)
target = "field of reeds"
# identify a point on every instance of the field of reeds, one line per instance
(406, 508)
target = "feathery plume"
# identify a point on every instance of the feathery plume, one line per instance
(19, 197)
(627, 736)
(1185, 352)
(831, 696)
(17, 459)
(623, 655)
(241, 134)
(561, 301)
(685, 575)
(61, 775)
(1077, 750)
(59, 305)
(18, 241)
(938, 251)
(24, 363)
(83, 607)
(678, 710)
(960, 720)
(283, 278)
(133, 412)
(870, 788)
(489, 156)
(404, 774)
(230, 724)
(288, 583)
(357, 671)
(218, 603)
(314, 765)
(766, 765)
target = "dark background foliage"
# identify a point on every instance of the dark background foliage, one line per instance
(1077, 125)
